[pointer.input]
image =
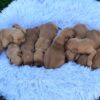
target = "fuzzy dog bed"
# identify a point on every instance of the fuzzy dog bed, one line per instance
(69, 82)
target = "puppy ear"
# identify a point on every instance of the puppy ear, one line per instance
(5, 42)
(56, 27)
(19, 27)
(16, 26)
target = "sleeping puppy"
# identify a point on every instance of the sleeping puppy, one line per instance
(55, 55)
(83, 46)
(14, 54)
(96, 60)
(27, 48)
(80, 30)
(11, 35)
(94, 35)
(47, 34)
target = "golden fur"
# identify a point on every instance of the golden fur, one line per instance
(14, 54)
(82, 46)
(11, 35)
(28, 47)
(47, 34)
(80, 30)
(55, 55)
(82, 59)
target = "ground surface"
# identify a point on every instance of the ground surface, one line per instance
(4, 3)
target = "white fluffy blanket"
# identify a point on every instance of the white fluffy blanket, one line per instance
(71, 81)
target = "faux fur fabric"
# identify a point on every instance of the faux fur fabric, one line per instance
(69, 82)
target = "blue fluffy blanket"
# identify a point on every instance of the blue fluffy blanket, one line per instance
(69, 82)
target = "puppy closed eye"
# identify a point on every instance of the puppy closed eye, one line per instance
(19, 39)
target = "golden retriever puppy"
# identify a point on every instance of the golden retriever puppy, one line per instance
(14, 54)
(80, 30)
(82, 46)
(93, 35)
(27, 48)
(11, 36)
(55, 55)
(96, 60)
(47, 34)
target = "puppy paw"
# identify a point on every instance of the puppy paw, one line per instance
(89, 63)
(38, 59)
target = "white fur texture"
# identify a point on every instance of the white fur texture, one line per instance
(71, 81)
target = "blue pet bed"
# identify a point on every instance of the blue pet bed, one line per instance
(69, 82)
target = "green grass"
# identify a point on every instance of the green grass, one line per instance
(4, 3)
(2, 98)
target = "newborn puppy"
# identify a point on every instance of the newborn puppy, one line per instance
(80, 30)
(55, 56)
(47, 33)
(86, 46)
(14, 54)
(94, 35)
(27, 48)
(96, 60)
(82, 46)
(11, 35)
